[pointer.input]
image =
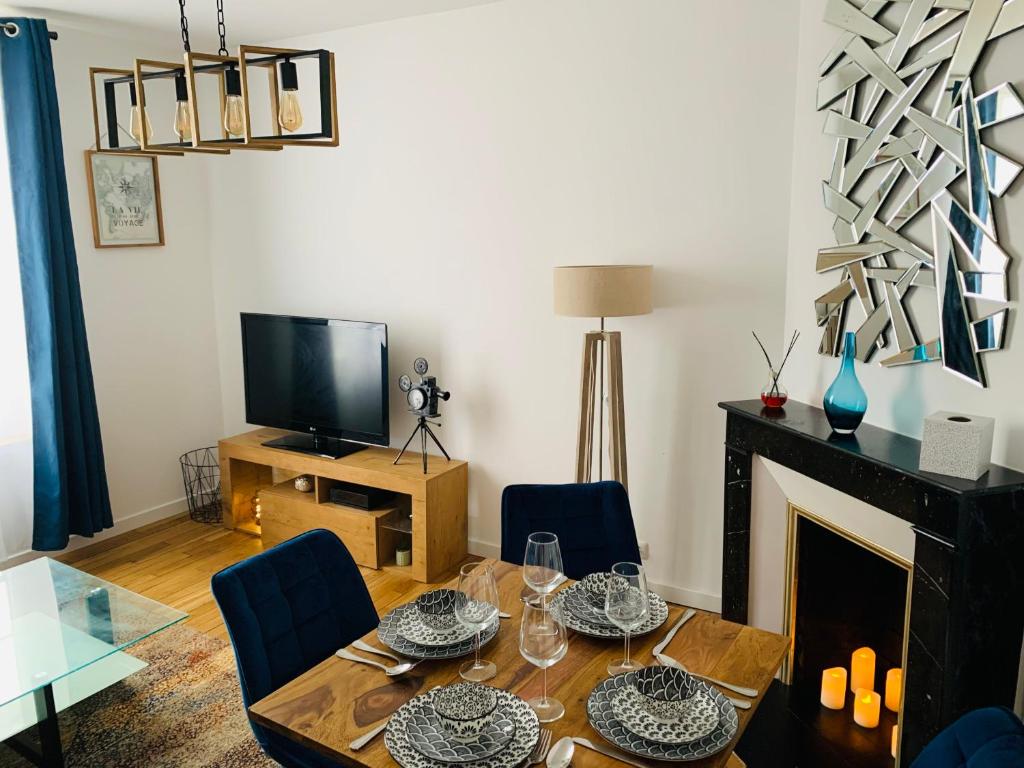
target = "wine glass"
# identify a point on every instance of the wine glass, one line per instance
(477, 611)
(543, 643)
(542, 563)
(626, 605)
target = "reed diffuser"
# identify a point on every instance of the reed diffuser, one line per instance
(774, 395)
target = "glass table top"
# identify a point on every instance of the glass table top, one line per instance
(56, 620)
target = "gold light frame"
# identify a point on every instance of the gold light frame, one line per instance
(93, 72)
(793, 514)
(244, 52)
(227, 141)
(140, 95)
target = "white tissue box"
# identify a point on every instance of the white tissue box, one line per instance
(957, 444)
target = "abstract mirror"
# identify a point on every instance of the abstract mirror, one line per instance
(913, 185)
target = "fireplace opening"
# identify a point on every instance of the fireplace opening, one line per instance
(844, 594)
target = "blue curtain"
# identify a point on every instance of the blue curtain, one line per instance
(70, 492)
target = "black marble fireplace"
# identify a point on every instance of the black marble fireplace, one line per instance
(966, 614)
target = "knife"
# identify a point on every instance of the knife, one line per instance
(367, 737)
(611, 752)
(672, 632)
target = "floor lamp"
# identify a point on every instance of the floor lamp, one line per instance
(602, 291)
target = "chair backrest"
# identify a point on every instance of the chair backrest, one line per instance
(593, 523)
(992, 737)
(289, 608)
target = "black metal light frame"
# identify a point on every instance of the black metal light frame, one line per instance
(218, 65)
(113, 134)
(259, 56)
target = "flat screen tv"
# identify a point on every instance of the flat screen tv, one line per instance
(327, 379)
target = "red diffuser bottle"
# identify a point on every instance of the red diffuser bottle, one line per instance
(773, 394)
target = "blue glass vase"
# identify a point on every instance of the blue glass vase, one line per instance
(846, 402)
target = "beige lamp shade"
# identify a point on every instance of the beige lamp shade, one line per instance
(606, 290)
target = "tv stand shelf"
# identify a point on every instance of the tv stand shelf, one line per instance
(252, 473)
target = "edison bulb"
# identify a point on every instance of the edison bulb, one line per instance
(290, 113)
(137, 115)
(234, 118)
(182, 121)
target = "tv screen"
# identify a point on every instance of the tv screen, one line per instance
(327, 377)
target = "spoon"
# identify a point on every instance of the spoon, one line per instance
(397, 669)
(560, 755)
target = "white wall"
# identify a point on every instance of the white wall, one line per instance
(482, 147)
(899, 399)
(149, 311)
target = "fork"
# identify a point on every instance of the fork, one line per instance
(540, 751)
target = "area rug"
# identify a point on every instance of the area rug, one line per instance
(184, 709)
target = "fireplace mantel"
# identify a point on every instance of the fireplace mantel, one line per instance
(967, 608)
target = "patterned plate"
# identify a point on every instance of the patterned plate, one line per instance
(412, 628)
(602, 718)
(527, 731)
(701, 717)
(426, 734)
(656, 616)
(388, 633)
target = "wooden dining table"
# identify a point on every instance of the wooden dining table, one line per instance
(337, 701)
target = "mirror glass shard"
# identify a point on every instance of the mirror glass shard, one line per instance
(989, 331)
(990, 286)
(903, 153)
(1001, 171)
(998, 105)
(923, 353)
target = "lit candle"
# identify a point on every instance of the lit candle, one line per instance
(895, 738)
(862, 669)
(833, 688)
(893, 689)
(866, 708)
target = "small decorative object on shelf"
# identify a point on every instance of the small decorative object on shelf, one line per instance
(403, 556)
(423, 400)
(774, 395)
(846, 402)
(304, 483)
(957, 444)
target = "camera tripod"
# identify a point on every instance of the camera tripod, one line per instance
(423, 427)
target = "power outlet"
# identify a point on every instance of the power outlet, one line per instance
(645, 550)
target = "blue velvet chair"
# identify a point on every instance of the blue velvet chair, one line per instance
(985, 738)
(593, 523)
(286, 610)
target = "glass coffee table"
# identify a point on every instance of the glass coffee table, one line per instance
(62, 633)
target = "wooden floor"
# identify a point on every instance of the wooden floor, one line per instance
(171, 561)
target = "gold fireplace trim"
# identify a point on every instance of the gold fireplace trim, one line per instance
(789, 601)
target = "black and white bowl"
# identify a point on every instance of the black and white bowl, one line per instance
(436, 608)
(665, 692)
(465, 709)
(595, 588)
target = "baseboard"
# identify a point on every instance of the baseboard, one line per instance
(121, 525)
(678, 595)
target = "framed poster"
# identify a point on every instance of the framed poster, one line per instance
(124, 193)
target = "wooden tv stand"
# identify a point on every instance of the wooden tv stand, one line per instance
(429, 509)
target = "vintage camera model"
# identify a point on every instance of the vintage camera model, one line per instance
(423, 398)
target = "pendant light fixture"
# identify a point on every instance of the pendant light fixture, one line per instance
(235, 130)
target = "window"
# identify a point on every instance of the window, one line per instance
(15, 405)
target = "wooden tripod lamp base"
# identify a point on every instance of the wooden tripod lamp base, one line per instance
(612, 290)
(601, 350)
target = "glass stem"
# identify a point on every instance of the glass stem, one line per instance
(627, 647)
(544, 698)
(477, 664)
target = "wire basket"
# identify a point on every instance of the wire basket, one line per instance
(200, 470)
